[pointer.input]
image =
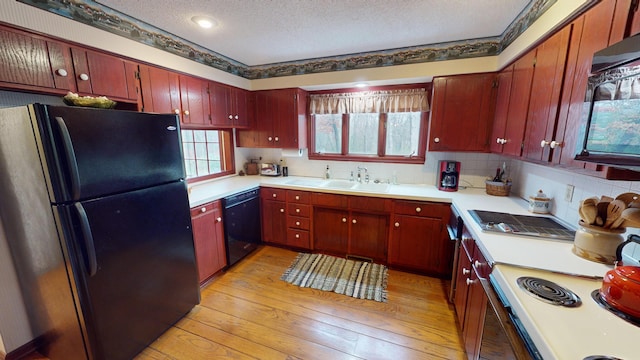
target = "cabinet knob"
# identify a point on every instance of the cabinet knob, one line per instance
(84, 77)
(186, 112)
(555, 144)
(270, 138)
(297, 197)
(275, 195)
(436, 140)
(418, 209)
(297, 236)
(281, 210)
(203, 209)
(177, 111)
(277, 139)
(297, 210)
(62, 72)
(297, 223)
(501, 141)
(470, 282)
(354, 221)
(236, 117)
(218, 219)
(544, 143)
(396, 224)
(466, 271)
(344, 220)
(230, 117)
(477, 264)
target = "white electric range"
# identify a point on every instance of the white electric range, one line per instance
(561, 332)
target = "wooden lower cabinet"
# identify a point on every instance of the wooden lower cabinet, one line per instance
(274, 216)
(208, 239)
(419, 239)
(330, 230)
(368, 237)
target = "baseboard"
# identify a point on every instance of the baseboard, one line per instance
(23, 351)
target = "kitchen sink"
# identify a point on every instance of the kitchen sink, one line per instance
(373, 187)
(339, 184)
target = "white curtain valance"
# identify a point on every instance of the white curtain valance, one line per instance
(408, 100)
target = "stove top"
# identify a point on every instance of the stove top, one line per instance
(525, 225)
(549, 291)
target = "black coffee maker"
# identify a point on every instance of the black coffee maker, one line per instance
(448, 175)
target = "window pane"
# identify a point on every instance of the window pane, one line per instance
(403, 133)
(363, 134)
(202, 153)
(328, 131)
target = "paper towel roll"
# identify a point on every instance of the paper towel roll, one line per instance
(292, 152)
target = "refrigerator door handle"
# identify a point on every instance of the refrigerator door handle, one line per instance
(71, 158)
(88, 239)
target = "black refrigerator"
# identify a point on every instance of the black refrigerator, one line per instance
(95, 213)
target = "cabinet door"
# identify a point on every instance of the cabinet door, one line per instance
(290, 120)
(265, 117)
(25, 60)
(368, 235)
(241, 107)
(463, 273)
(502, 108)
(208, 237)
(414, 243)
(62, 66)
(519, 104)
(160, 90)
(274, 222)
(545, 95)
(462, 112)
(474, 316)
(101, 74)
(590, 34)
(218, 101)
(331, 230)
(194, 100)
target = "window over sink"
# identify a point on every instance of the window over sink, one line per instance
(386, 125)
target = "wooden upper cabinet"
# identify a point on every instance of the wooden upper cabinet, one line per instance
(229, 106)
(498, 139)
(62, 66)
(544, 100)
(462, 112)
(104, 75)
(194, 100)
(160, 90)
(280, 120)
(25, 60)
(590, 33)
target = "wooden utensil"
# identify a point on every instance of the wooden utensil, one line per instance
(614, 211)
(602, 210)
(631, 217)
(628, 197)
(589, 210)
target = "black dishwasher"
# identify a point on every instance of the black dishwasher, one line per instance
(242, 224)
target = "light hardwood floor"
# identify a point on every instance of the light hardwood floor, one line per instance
(249, 313)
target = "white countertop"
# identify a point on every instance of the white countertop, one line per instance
(560, 333)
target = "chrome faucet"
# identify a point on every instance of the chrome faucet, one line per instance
(366, 174)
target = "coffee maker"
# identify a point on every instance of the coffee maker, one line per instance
(448, 175)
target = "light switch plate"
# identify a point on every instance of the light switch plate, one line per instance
(568, 193)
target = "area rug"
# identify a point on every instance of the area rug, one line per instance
(358, 279)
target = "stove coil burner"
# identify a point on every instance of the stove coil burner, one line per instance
(597, 297)
(549, 292)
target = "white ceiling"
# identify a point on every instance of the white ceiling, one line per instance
(259, 32)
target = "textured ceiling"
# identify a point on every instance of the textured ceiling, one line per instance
(259, 32)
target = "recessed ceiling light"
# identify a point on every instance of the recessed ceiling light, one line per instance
(204, 22)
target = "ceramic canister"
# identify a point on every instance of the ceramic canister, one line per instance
(539, 203)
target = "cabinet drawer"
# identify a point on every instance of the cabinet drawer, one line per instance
(298, 238)
(297, 222)
(370, 204)
(298, 197)
(273, 194)
(329, 200)
(205, 208)
(298, 210)
(423, 209)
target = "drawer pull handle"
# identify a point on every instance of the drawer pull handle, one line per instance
(354, 221)
(218, 219)
(344, 220)
(418, 209)
(396, 224)
(297, 197)
(297, 223)
(275, 195)
(281, 210)
(297, 236)
(297, 210)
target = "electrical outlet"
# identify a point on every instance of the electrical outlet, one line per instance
(568, 193)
